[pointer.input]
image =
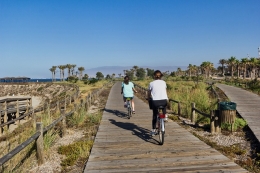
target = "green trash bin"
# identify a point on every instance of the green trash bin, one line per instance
(227, 112)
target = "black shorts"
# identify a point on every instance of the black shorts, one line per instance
(131, 98)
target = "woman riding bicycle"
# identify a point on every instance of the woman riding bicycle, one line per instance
(128, 92)
(157, 92)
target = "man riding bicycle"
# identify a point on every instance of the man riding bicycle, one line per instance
(157, 92)
(128, 92)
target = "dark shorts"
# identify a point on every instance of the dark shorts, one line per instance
(131, 98)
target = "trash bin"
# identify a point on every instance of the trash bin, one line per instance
(227, 112)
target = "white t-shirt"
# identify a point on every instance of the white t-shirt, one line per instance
(158, 90)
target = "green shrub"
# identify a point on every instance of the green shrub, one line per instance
(49, 138)
(77, 118)
(240, 123)
(75, 151)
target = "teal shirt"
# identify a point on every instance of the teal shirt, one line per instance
(128, 89)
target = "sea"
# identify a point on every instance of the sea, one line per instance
(42, 80)
(31, 80)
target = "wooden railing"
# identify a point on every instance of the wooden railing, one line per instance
(40, 131)
(213, 116)
(14, 105)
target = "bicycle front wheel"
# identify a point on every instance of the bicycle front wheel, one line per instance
(129, 112)
(161, 132)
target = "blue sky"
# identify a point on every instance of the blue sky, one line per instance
(35, 35)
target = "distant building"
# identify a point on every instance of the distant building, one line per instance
(14, 79)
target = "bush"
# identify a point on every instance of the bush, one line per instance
(91, 81)
(240, 123)
(74, 151)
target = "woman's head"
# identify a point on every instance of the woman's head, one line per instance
(126, 79)
(157, 74)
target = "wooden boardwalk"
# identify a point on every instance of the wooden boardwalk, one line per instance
(248, 106)
(124, 145)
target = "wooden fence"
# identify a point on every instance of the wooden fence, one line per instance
(40, 131)
(13, 106)
(213, 116)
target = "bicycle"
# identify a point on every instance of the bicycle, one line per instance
(160, 126)
(129, 107)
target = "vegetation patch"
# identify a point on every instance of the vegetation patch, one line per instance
(74, 151)
(240, 123)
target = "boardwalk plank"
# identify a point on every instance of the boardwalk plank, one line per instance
(124, 145)
(248, 106)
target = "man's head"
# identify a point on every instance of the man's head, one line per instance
(157, 74)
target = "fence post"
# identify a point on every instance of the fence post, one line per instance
(65, 103)
(57, 106)
(63, 125)
(28, 101)
(193, 112)
(179, 108)
(86, 103)
(5, 115)
(212, 121)
(39, 144)
(217, 122)
(17, 111)
(5, 108)
(33, 118)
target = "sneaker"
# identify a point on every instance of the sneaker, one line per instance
(133, 112)
(152, 133)
(166, 118)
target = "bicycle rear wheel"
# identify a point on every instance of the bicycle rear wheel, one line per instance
(161, 132)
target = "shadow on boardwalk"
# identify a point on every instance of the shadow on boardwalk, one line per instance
(120, 114)
(138, 131)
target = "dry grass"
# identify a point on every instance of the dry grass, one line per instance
(11, 140)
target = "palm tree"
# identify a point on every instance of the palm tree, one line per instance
(253, 63)
(231, 62)
(207, 66)
(179, 71)
(135, 69)
(73, 68)
(238, 67)
(52, 73)
(190, 68)
(60, 67)
(222, 62)
(69, 67)
(63, 68)
(244, 62)
(81, 69)
(194, 70)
